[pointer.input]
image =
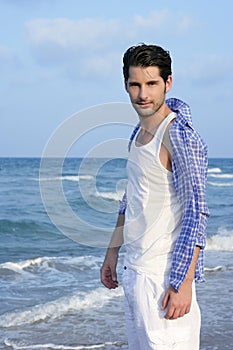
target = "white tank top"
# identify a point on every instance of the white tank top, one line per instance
(153, 214)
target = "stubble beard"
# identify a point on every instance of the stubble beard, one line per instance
(148, 112)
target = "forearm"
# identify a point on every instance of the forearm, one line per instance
(191, 271)
(117, 236)
(108, 269)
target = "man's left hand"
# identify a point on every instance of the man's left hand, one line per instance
(178, 303)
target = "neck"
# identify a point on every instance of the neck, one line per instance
(150, 123)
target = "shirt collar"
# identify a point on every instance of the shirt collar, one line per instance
(182, 110)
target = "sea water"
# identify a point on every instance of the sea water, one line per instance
(54, 228)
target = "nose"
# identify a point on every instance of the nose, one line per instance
(143, 93)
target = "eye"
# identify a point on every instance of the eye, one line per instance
(134, 84)
(152, 83)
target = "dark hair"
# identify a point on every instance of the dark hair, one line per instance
(143, 55)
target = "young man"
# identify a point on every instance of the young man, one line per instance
(163, 215)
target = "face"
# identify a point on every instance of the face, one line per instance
(147, 90)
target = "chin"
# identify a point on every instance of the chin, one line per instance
(145, 113)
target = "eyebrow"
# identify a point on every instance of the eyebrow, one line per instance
(148, 82)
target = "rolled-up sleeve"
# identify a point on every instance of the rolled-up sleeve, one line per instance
(201, 236)
(122, 204)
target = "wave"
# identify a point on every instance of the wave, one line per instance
(96, 298)
(220, 184)
(75, 178)
(32, 266)
(116, 196)
(214, 170)
(220, 242)
(221, 176)
(218, 268)
(18, 223)
(21, 345)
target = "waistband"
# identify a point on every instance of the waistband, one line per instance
(159, 265)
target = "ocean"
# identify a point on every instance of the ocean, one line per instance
(56, 219)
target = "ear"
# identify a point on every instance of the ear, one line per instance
(169, 83)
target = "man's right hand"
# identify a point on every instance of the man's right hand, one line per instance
(108, 270)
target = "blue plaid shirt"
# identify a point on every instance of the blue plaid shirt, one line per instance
(189, 169)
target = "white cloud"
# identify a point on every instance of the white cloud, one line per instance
(96, 33)
(74, 43)
(153, 20)
(93, 42)
(72, 34)
(163, 21)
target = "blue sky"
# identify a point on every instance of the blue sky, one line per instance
(58, 57)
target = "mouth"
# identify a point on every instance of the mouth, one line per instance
(143, 104)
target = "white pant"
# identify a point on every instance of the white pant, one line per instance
(147, 328)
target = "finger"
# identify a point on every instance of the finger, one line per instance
(175, 315)
(182, 312)
(114, 275)
(106, 278)
(165, 301)
(105, 281)
(109, 283)
(170, 313)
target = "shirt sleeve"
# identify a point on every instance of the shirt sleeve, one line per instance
(122, 204)
(189, 176)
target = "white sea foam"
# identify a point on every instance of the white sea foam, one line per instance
(116, 196)
(216, 173)
(57, 308)
(22, 346)
(223, 241)
(42, 263)
(214, 170)
(221, 176)
(220, 184)
(14, 267)
(214, 269)
(19, 266)
(28, 267)
(75, 178)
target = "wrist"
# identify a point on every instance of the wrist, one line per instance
(189, 280)
(113, 251)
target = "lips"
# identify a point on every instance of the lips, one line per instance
(144, 104)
